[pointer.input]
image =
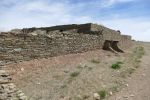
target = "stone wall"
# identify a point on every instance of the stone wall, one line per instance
(80, 27)
(9, 91)
(33, 43)
(48, 42)
(15, 47)
(125, 42)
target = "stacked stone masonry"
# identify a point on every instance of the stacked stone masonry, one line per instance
(8, 90)
(33, 43)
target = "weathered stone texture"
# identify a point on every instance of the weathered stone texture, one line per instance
(22, 47)
(32, 43)
(8, 90)
(57, 40)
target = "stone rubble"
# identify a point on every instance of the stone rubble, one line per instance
(96, 96)
(8, 91)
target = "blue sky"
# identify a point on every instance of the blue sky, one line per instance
(132, 17)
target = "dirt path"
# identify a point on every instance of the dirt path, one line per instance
(138, 87)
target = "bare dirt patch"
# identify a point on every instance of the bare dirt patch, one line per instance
(74, 76)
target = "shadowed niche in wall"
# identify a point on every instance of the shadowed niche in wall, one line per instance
(112, 46)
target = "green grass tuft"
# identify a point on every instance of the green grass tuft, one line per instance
(74, 74)
(102, 93)
(117, 65)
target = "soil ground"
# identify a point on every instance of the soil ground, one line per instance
(79, 76)
(139, 83)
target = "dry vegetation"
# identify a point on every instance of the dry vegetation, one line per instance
(76, 76)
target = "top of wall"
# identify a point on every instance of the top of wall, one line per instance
(86, 26)
(81, 28)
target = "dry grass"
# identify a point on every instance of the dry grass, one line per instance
(95, 61)
(75, 76)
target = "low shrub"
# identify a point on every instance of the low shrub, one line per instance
(74, 74)
(116, 65)
(102, 93)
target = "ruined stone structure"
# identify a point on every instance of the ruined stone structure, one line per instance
(9, 91)
(32, 43)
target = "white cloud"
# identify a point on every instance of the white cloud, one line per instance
(109, 3)
(40, 13)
